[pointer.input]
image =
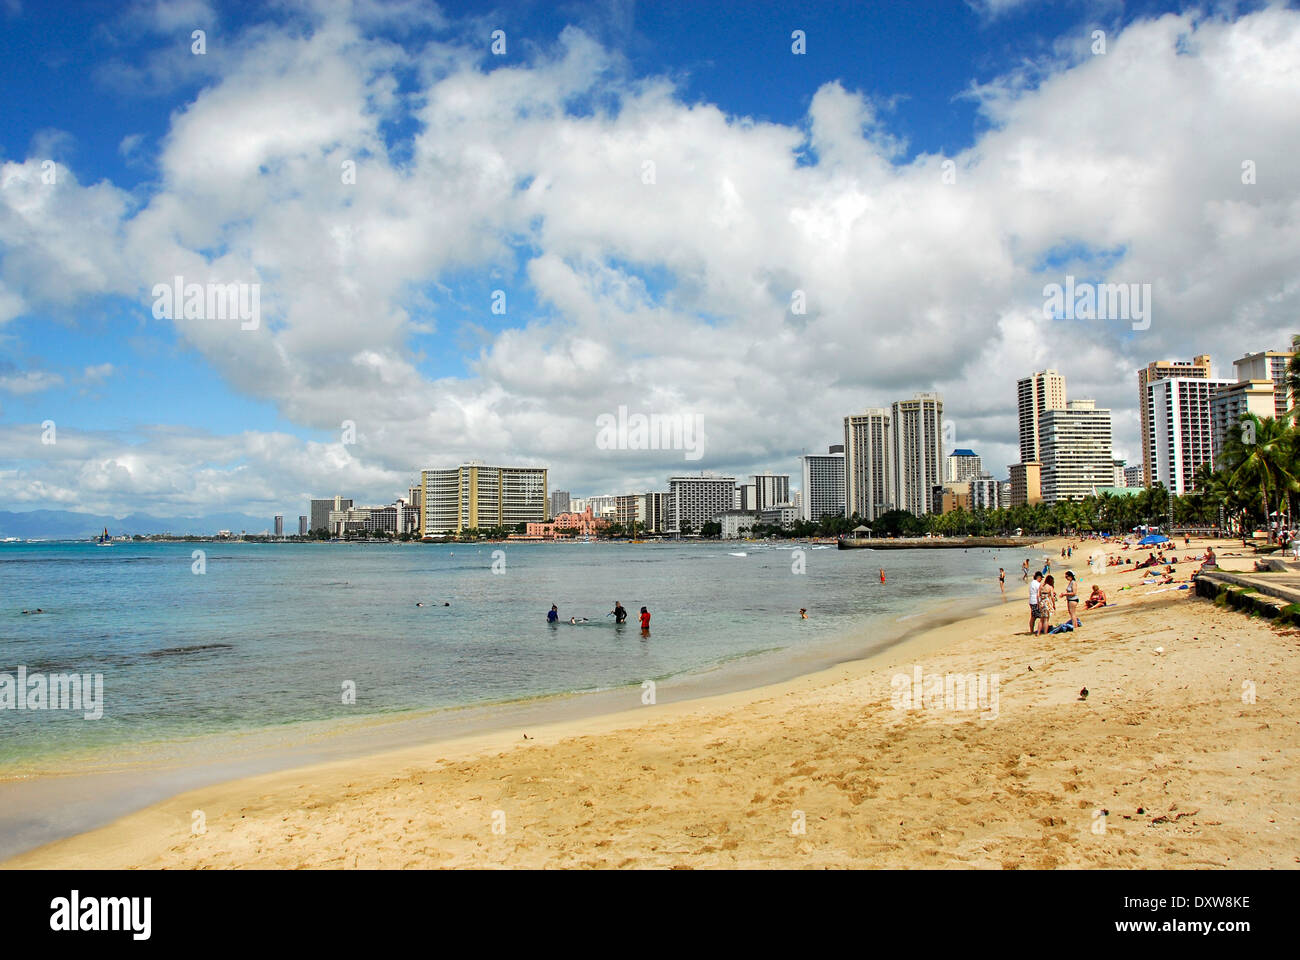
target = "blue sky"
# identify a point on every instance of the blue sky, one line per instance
(101, 87)
(920, 58)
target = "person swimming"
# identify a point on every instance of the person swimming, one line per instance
(577, 620)
(803, 613)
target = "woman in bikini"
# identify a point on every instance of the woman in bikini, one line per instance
(1072, 598)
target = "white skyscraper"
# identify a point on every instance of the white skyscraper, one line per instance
(868, 464)
(917, 435)
(823, 484)
(962, 465)
(1182, 429)
(771, 489)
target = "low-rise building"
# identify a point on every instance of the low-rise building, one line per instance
(783, 515)
(737, 523)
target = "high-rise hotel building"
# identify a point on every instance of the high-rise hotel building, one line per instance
(319, 511)
(476, 495)
(1075, 446)
(1181, 434)
(695, 501)
(916, 430)
(1036, 393)
(1269, 365)
(823, 484)
(868, 464)
(771, 489)
(1198, 369)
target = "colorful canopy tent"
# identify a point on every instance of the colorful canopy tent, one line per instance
(1153, 539)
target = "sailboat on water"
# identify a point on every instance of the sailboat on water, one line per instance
(103, 539)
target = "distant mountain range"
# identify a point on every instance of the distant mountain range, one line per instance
(68, 524)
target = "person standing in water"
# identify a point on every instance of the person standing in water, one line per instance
(645, 622)
(882, 574)
(553, 615)
(620, 614)
(1002, 580)
(803, 613)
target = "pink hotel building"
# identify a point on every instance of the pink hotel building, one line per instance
(565, 525)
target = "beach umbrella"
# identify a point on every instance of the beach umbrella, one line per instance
(1152, 539)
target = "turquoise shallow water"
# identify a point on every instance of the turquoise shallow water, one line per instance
(270, 633)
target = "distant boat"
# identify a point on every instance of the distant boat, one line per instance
(104, 539)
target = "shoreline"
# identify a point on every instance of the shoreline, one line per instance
(916, 640)
(1186, 774)
(92, 790)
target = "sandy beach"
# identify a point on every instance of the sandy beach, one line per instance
(1182, 754)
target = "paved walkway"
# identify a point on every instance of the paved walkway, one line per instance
(1285, 586)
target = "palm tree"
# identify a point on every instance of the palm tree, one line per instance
(1263, 465)
(1293, 374)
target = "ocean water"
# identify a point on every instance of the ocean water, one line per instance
(271, 634)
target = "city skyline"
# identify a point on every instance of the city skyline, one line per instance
(702, 263)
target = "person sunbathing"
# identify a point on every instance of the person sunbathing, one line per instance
(1096, 599)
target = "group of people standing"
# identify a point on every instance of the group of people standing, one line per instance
(619, 613)
(1043, 599)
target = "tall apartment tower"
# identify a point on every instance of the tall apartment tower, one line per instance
(823, 484)
(771, 489)
(1041, 391)
(302, 526)
(1076, 449)
(868, 464)
(476, 495)
(1197, 368)
(279, 525)
(917, 436)
(1182, 429)
(1269, 365)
